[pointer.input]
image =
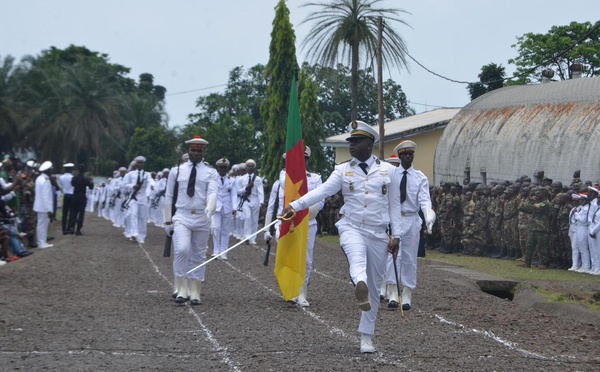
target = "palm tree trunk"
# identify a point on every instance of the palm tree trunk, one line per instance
(354, 81)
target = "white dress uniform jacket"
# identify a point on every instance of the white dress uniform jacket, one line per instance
(368, 202)
(191, 226)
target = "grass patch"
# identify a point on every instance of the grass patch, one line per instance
(556, 285)
(508, 269)
(329, 239)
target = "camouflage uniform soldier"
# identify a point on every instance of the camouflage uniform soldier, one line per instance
(482, 200)
(456, 212)
(538, 227)
(564, 253)
(510, 224)
(335, 202)
(524, 218)
(28, 196)
(446, 218)
(576, 183)
(495, 212)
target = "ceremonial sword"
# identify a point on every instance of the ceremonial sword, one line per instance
(232, 247)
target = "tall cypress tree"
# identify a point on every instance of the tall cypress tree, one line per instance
(312, 124)
(274, 111)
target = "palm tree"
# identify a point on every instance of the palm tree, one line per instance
(8, 116)
(348, 29)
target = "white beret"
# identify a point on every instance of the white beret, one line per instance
(122, 169)
(139, 158)
(68, 165)
(250, 162)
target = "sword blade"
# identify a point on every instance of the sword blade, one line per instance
(232, 247)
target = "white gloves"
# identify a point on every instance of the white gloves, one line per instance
(429, 218)
(211, 205)
(169, 229)
(267, 236)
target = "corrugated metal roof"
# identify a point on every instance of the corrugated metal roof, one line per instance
(567, 91)
(517, 130)
(404, 127)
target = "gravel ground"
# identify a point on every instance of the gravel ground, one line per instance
(98, 302)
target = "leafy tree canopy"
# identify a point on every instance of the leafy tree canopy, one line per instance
(558, 49)
(491, 77)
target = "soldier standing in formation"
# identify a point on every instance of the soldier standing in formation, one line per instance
(43, 204)
(225, 210)
(414, 197)
(250, 189)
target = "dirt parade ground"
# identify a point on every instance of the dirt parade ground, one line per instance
(98, 302)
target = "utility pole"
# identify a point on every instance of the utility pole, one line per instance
(380, 88)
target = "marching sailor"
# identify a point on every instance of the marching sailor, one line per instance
(195, 185)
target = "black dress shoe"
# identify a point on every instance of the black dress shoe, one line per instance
(24, 254)
(180, 299)
(393, 305)
(195, 302)
(405, 307)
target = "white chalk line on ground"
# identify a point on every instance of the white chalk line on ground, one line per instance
(492, 336)
(332, 329)
(318, 272)
(222, 351)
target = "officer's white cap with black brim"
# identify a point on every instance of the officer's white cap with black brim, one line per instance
(360, 129)
(405, 146)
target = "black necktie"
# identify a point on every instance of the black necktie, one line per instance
(364, 167)
(139, 178)
(192, 182)
(403, 187)
(222, 181)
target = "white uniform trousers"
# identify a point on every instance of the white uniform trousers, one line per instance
(407, 256)
(366, 252)
(221, 232)
(581, 243)
(190, 239)
(250, 221)
(594, 247)
(41, 229)
(139, 220)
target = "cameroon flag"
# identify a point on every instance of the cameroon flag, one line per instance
(290, 261)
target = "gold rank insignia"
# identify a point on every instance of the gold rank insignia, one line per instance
(349, 174)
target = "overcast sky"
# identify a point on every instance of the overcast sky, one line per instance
(191, 45)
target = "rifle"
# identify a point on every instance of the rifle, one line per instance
(132, 195)
(169, 238)
(272, 228)
(246, 195)
(113, 199)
